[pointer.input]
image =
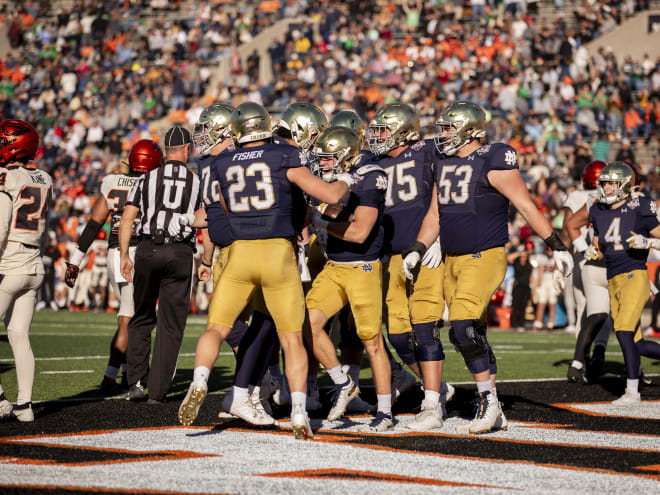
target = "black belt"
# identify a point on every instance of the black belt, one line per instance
(163, 239)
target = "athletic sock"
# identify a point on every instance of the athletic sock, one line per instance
(385, 403)
(201, 374)
(337, 375)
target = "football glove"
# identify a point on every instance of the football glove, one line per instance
(592, 254)
(637, 241)
(348, 179)
(71, 274)
(564, 262)
(411, 258)
(433, 256)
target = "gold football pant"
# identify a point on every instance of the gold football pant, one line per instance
(418, 302)
(266, 263)
(628, 294)
(359, 285)
(470, 281)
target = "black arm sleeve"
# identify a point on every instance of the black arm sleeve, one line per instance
(88, 235)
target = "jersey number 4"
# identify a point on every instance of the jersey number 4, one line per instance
(613, 234)
(29, 214)
(237, 175)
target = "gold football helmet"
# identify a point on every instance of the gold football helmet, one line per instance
(212, 127)
(250, 122)
(393, 125)
(304, 122)
(459, 123)
(623, 176)
(335, 151)
(350, 119)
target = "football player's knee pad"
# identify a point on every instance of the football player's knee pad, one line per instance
(401, 344)
(471, 344)
(427, 342)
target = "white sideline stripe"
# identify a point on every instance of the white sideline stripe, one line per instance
(105, 356)
(79, 334)
(65, 372)
(89, 325)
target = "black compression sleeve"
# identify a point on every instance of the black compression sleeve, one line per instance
(89, 234)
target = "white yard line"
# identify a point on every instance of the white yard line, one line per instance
(105, 356)
(64, 372)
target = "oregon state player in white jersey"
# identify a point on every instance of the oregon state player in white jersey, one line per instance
(590, 281)
(145, 155)
(25, 197)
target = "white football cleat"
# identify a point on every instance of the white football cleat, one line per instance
(501, 423)
(261, 410)
(628, 399)
(23, 412)
(401, 381)
(382, 422)
(488, 412)
(359, 405)
(344, 395)
(244, 408)
(190, 406)
(5, 407)
(429, 418)
(302, 430)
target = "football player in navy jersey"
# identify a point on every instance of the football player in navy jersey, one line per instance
(473, 187)
(625, 227)
(212, 137)
(413, 309)
(256, 181)
(353, 272)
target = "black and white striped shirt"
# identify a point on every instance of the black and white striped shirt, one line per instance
(159, 194)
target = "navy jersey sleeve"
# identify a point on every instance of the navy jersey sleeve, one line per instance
(501, 156)
(372, 189)
(293, 159)
(648, 214)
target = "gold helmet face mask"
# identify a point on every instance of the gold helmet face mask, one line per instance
(212, 127)
(250, 122)
(459, 123)
(393, 125)
(620, 174)
(335, 151)
(304, 121)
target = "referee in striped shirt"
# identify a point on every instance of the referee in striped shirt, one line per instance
(163, 267)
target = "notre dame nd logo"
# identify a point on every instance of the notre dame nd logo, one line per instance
(367, 267)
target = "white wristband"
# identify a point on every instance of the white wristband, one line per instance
(580, 245)
(654, 243)
(77, 257)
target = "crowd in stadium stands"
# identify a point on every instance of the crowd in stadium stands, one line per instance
(93, 79)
